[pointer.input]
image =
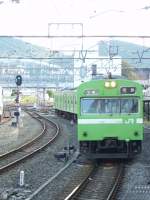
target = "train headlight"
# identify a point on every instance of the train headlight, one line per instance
(113, 84)
(107, 84)
(110, 84)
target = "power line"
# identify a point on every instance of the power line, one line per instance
(71, 58)
(77, 36)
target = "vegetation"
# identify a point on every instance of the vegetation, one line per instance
(14, 92)
(146, 122)
(129, 71)
(28, 99)
(50, 93)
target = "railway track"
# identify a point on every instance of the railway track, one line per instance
(102, 183)
(79, 184)
(89, 182)
(46, 186)
(47, 135)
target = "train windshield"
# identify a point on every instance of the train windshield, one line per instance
(104, 106)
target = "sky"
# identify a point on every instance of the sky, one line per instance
(96, 17)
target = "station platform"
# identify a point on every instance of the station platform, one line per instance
(12, 137)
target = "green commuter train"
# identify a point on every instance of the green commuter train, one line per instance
(109, 115)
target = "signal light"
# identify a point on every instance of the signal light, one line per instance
(16, 113)
(18, 80)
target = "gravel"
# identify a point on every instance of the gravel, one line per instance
(55, 190)
(25, 151)
(12, 137)
(136, 183)
(42, 166)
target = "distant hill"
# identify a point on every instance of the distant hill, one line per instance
(13, 47)
(38, 66)
(56, 69)
(133, 66)
(127, 51)
(16, 48)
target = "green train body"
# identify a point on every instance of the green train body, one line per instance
(109, 117)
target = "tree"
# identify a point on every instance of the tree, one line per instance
(129, 71)
(50, 93)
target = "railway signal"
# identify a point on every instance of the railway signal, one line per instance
(17, 99)
(18, 80)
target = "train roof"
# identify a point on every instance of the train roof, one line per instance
(103, 77)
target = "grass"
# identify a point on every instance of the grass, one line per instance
(146, 122)
(28, 100)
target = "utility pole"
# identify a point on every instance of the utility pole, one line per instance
(18, 81)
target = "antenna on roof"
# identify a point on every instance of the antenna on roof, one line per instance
(109, 75)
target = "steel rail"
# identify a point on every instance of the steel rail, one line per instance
(17, 161)
(81, 185)
(27, 143)
(114, 189)
(45, 184)
(78, 189)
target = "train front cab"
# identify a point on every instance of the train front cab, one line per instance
(110, 126)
